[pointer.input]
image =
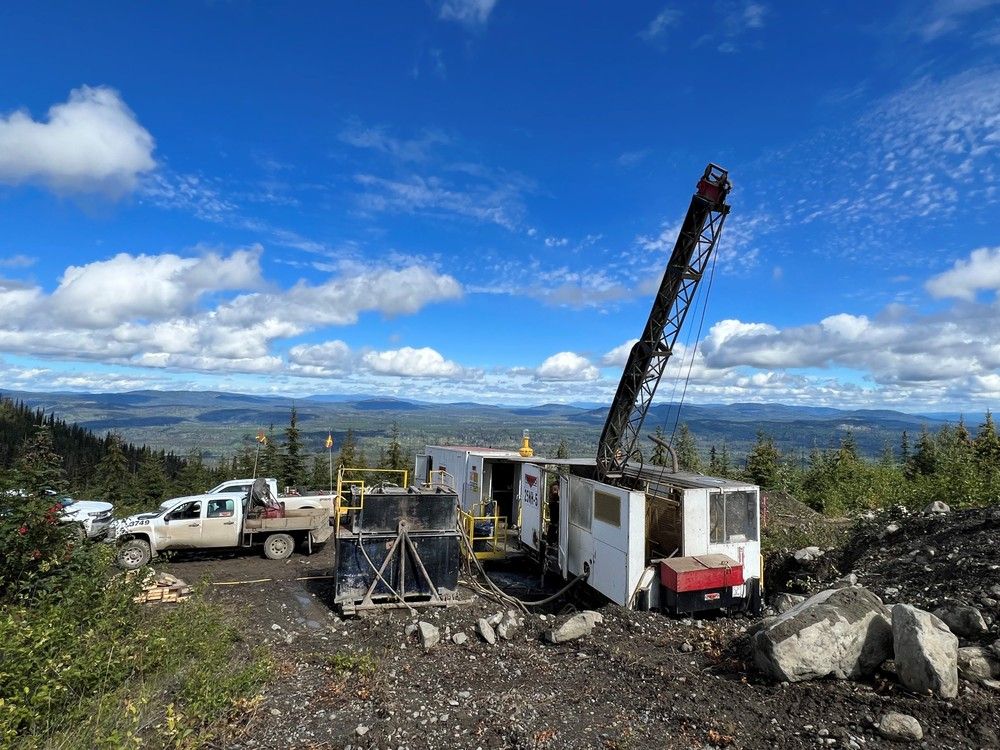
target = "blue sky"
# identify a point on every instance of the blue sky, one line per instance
(474, 199)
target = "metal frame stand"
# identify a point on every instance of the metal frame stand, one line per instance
(401, 545)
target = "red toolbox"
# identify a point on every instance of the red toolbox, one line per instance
(700, 572)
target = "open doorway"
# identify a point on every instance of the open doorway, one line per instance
(504, 479)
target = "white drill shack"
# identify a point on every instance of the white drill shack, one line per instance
(644, 536)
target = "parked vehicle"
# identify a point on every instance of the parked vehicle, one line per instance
(90, 518)
(219, 521)
(240, 487)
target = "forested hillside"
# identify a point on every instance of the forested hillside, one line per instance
(136, 477)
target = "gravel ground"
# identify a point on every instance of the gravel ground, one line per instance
(640, 680)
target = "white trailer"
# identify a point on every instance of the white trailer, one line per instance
(480, 475)
(681, 541)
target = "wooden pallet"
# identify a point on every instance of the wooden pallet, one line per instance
(158, 593)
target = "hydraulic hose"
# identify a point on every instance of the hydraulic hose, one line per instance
(497, 593)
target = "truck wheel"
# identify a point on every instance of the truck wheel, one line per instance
(278, 547)
(133, 554)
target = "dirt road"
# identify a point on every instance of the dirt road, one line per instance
(641, 680)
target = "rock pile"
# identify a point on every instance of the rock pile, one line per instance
(927, 617)
(932, 561)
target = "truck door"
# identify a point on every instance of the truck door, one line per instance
(220, 526)
(182, 527)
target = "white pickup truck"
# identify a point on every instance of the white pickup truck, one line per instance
(241, 487)
(87, 518)
(218, 521)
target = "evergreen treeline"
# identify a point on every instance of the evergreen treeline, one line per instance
(952, 465)
(81, 451)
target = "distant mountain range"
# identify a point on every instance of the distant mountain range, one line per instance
(220, 423)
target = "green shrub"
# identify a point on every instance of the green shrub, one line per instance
(86, 667)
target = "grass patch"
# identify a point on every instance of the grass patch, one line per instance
(348, 663)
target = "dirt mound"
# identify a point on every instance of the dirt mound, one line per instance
(790, 524)
(929, 560)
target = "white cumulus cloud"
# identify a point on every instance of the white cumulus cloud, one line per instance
(92, 143)
(411, 363)
(330, 356)
(162, 311)
(567, 366)
(618, 356)
(966, 277)
(127, 286)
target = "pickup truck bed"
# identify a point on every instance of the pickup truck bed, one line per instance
(316, 522)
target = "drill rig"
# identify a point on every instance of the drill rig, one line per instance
(698, 238)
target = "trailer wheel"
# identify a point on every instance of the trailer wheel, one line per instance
(278, 547)
(133, 554)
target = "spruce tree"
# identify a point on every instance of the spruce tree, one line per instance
(763, 462)
(848, 452)
(563, 450)
(924, 460)
(320, 475)
(687, 450)
(987, 443)
(962, 432)
(269, 461)
(713, 461)
(724, 460)
(114, 479)
(348, 455)
(659, 457)
(39, 467)
(394, 458)
(292, 460)
(193, 478)
(151, 480)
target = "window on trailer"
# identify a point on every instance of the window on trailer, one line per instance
(732, 517)
(608, 508)
(581, 505)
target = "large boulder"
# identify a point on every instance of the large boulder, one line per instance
(962, 620)
(430, 636)
(926, 652)
(841, 632)
(808, 554)
(937, 508)
(486, 631)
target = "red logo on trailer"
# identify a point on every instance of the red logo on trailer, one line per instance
(530, 479)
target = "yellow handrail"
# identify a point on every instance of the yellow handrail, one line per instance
(339, 508)
(496, 541)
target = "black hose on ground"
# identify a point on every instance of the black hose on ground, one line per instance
(497, 593)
